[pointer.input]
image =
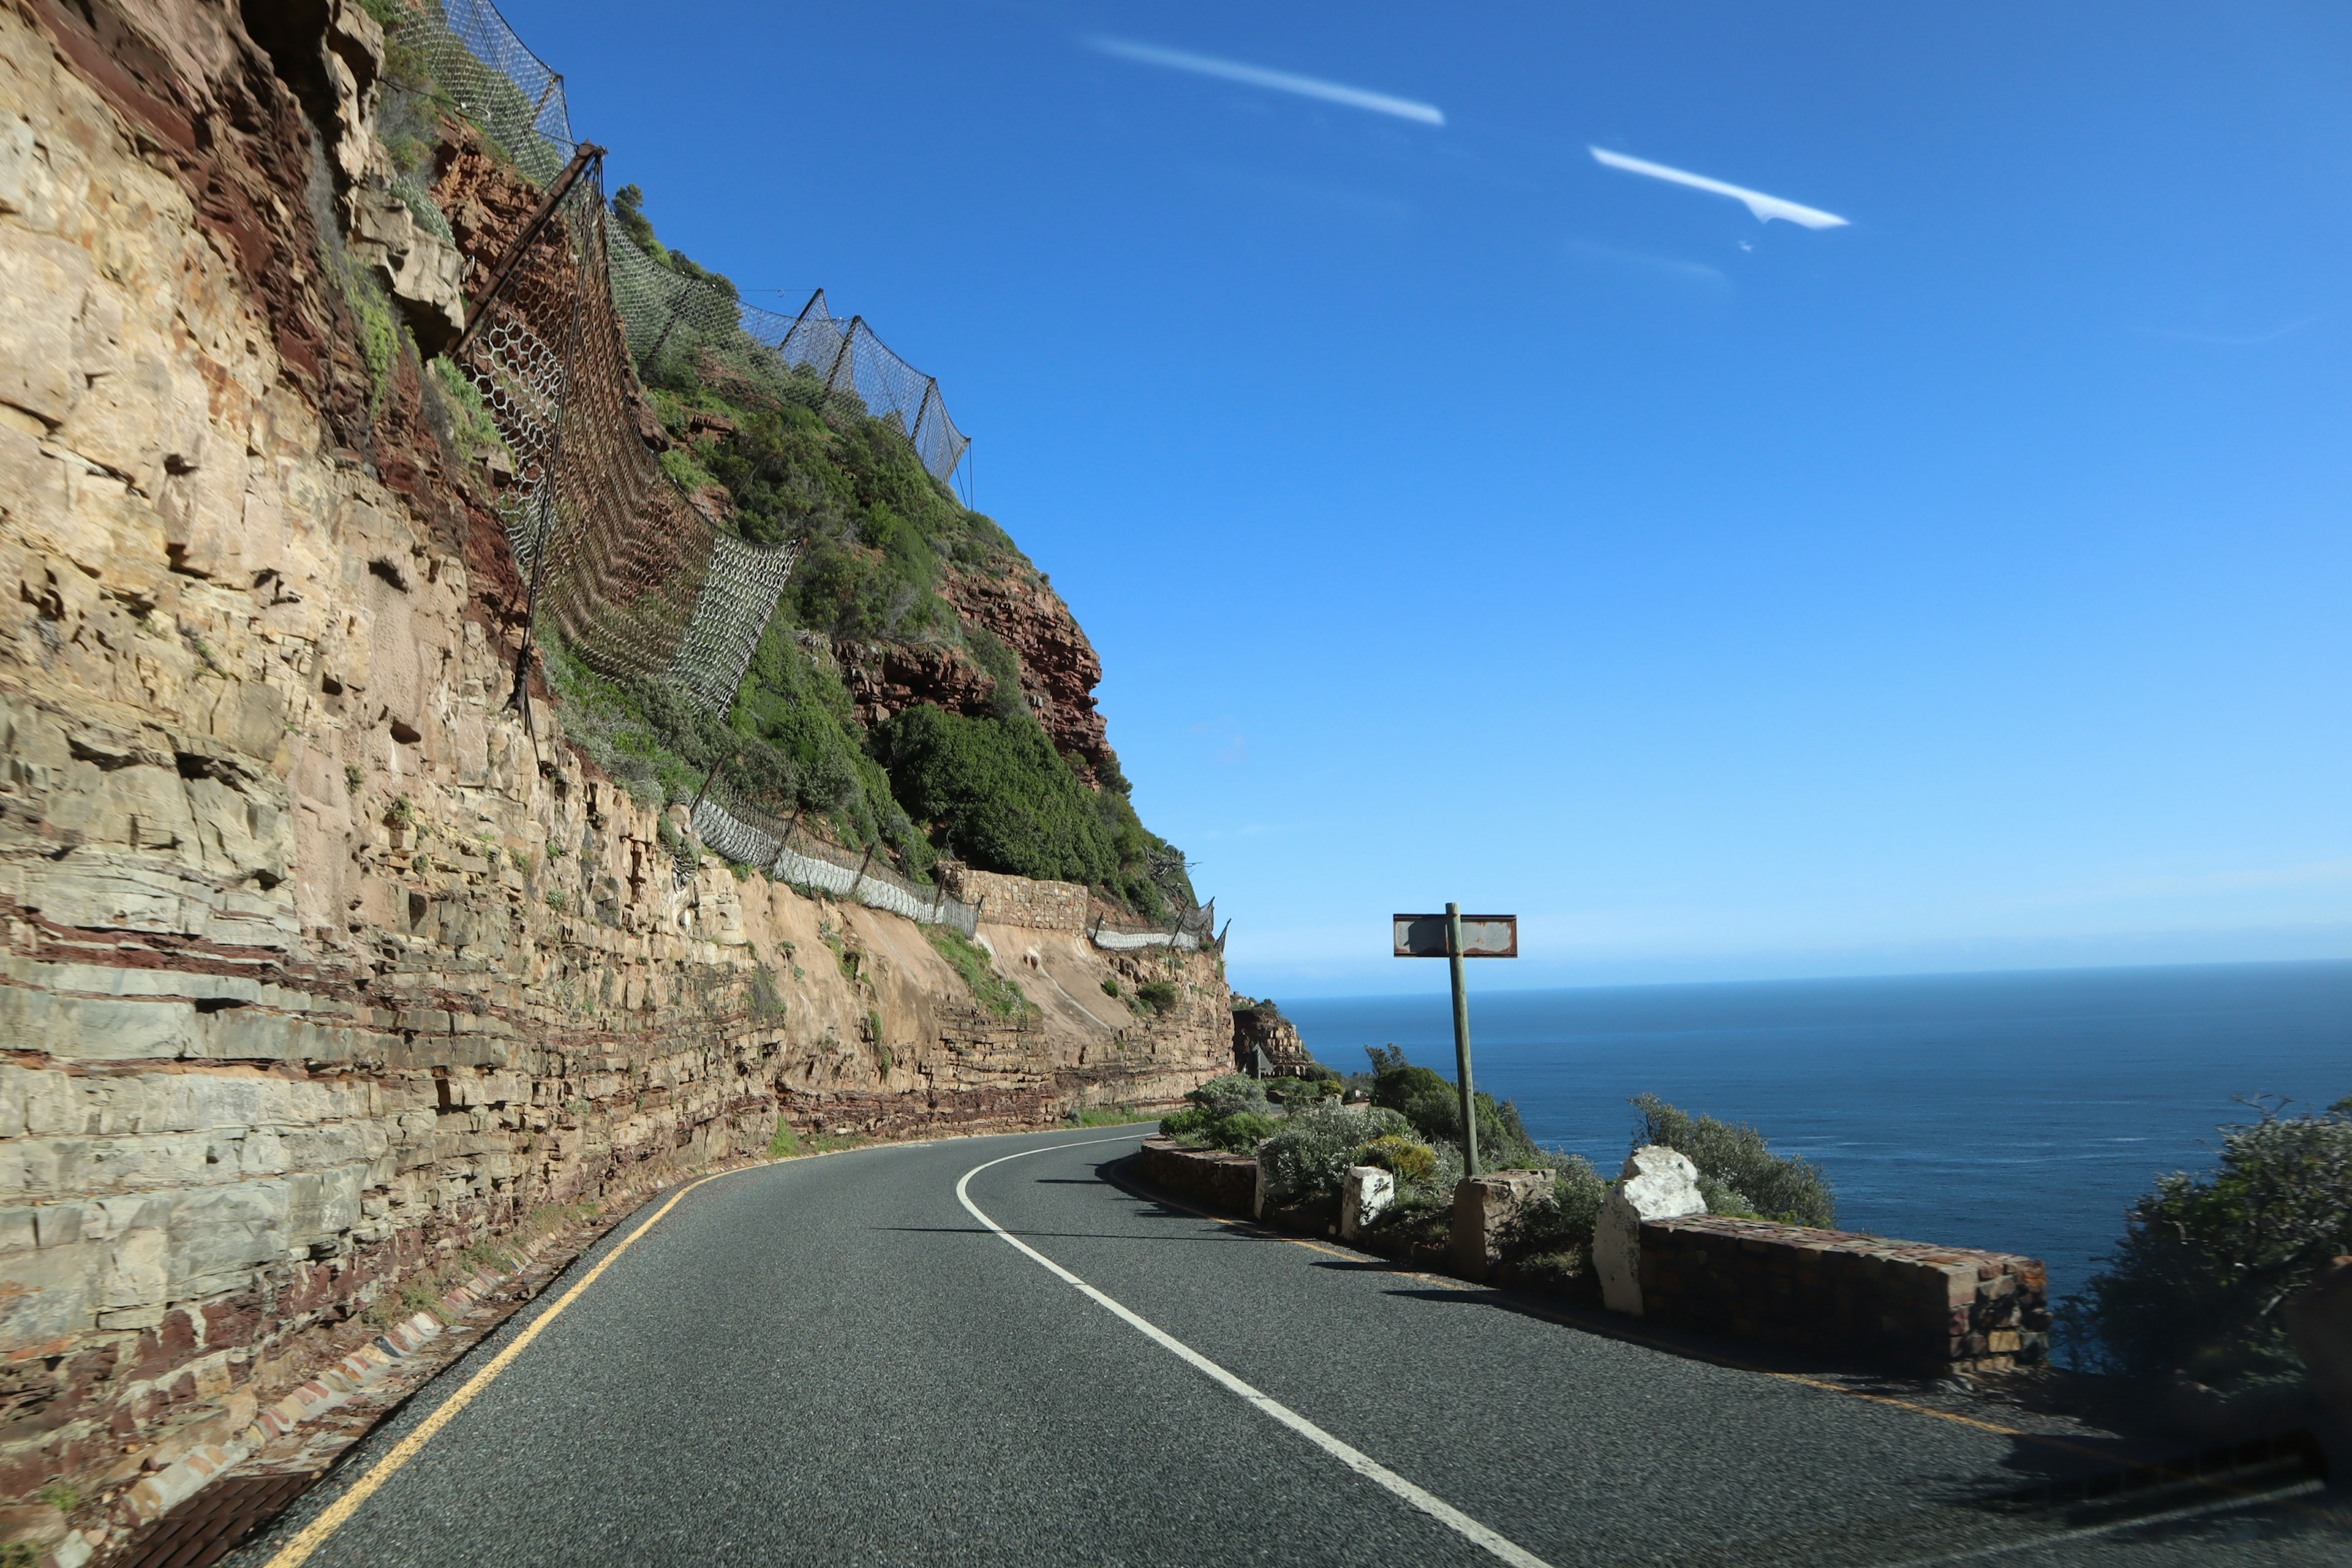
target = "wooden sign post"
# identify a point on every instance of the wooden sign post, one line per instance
(1454, 936)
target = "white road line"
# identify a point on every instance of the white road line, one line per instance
(2059, 1538)
(1363, 1464)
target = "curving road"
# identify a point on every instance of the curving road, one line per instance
(988, 1351)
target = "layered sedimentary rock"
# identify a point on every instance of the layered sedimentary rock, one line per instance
(319, 965)
(1059, 667)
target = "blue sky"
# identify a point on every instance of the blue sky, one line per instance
(1964, 586)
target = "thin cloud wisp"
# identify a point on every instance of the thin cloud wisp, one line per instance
(1272, 80)
(1766, 208)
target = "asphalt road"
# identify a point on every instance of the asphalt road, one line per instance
(835, 1361)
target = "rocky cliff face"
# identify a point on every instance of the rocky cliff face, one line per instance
(319, 965)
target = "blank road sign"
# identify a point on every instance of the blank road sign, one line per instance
(1482, 936)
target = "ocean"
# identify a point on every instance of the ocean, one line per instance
(2018, 1111)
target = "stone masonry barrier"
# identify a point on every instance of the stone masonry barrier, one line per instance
(1486, 1207)
(1906, 1304)
(1902, 1306)
(1224, 1181)
(1019, 900)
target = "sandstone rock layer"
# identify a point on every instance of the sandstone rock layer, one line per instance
(316, 967)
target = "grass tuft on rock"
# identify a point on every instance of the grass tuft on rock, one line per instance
(996, 995)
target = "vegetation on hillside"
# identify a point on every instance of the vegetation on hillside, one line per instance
(2195, 1285)
(762, 448)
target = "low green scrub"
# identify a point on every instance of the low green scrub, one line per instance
(1399, 1156)
(785, 1143)
(1737, 1172)
(1231, 1113)
(994, 991)
(2195, 1285)
(1235, 1131)
(831, 1143)
(1315, 1146)
(1296, 1092)
(1561, 1226)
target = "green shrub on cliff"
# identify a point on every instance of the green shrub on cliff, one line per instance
(1737, 1172)
(996, 793)
(2205, 1261)
(876, 534)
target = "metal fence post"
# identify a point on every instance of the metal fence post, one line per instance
(847, 339)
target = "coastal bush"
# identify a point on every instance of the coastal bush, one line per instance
(1156, 997)
(1432, 1105)
(1400, 1157)
(1739, 1174)
(1206, 1127)
(1294, 1092)
(1314, 1147)
(2205, 1261)
(1229, 1093)
(1562, 1223)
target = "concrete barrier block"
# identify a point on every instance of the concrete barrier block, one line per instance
(1366, 1193)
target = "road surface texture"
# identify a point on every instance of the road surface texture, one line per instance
(839, 1360)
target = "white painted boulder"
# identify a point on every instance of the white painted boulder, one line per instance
(1366, 1191)
(1659, 1185)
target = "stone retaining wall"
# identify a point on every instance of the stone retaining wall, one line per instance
(1224, 1181)
(1019, 900)
(1925, 1309)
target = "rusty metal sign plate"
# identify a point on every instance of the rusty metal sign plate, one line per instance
(1482, 936)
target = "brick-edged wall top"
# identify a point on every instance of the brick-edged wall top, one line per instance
(1835, 1246)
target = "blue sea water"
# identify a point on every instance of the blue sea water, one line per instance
(2019, 1112)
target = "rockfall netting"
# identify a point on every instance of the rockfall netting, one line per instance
(1190, 930)
(637, 577)
(482, 69)
(744, 834)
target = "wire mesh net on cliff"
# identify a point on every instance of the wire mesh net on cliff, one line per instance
(637, 578)
(484, 72)
(738, 831)
(640, 579)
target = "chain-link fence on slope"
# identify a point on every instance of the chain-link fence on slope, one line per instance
(740, 831)
(631, 572)
(1189, 930)
(485, 71)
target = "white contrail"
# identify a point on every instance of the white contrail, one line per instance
(1278, 81)
(1766, 208)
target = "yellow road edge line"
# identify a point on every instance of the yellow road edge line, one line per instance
(314, 1534)
(1716, 1359)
